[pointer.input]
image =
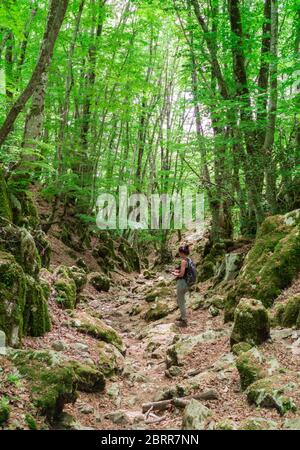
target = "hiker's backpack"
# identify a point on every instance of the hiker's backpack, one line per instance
(191, 273)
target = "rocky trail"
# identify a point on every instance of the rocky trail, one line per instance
(151, 372)
(92, 341)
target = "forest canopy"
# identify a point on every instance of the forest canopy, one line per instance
(162, 96)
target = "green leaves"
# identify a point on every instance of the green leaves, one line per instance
(11, 18)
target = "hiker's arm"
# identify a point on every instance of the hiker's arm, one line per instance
(180, 273)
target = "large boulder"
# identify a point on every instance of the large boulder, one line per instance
(271, 393)
(52, 383)
(251, 323)
(251, 367)
(21, 244)
(13, 297)
(99, 281)
(110, 361)
(36, 318)
(158, 310)
(290, 312)
(88, 378)
(75, 273)
(95, 327)
(272, 263)
(25, 213)
(53, 380)
(184, 345)
(66, 292)
(159, 293)
(159, 336)
(257, 423)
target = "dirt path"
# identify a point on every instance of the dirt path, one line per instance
(144, 377)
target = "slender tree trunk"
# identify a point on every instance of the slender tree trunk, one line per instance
(254, 165)
(34, 120)
(263, 77)
(68, 88)
(56, 16)
(272, 113)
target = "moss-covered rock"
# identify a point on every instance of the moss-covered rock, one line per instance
(66, 292)
(207, 270)
(4, 410)
(159, 293)
(27, 216)
(43, 246)
(276, 314)
(36, 318)
(88, 378)
(184, 345)
(195, 415)
(271, 264)
(291, 312)
(251, 323)
(167, 393)
(98, 329)
(20, 243)
(270, 393)
(5, 205)
(251, 367)
(157, 311)
(225, 425)
(12, 294)
(75, 273)
(241, 347)
(111, 361)
(52, 382)
(257, 423)
(99, 281)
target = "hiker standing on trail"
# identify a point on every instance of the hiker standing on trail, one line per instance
(186, 277)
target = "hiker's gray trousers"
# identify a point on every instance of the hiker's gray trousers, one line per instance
(182, 289)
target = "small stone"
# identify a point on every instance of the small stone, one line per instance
(292, 424)
(117, 417)
(195, 415)
(98, 418)
(132, 401)
(86, 409)
(59, 346)
(81, 347)
(173, 371)
(214, 311)
(113, 391)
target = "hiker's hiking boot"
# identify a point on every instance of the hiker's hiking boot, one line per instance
(181, 322)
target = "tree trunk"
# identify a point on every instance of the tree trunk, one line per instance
(56, 16)
(254, 165)
(272, 113)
